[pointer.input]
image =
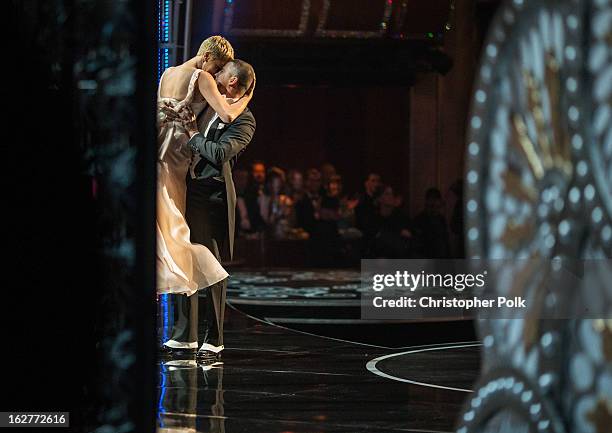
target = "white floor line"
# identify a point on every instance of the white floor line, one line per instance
(371, 366)
(341, 340)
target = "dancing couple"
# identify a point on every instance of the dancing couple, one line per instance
(203, 126)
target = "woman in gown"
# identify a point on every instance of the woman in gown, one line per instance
(184, 91)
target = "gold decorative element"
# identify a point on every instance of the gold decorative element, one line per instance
(604, 327)
(532, 320)
(515, 233)
(553, 149)
(561, 151)
(521, 140)
(534, 104)
(601, 416)
(517, 188)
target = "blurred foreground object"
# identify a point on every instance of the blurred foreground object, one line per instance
(539, 187)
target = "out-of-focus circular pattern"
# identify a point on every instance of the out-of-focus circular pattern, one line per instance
(539, 194)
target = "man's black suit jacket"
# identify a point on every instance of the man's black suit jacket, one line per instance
(219, 151)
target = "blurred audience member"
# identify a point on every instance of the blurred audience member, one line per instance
(253, 191)
(308, 208)
(366, 212)
(258, 174)
(430, 228)
(328, 171)
(393, 237)
(326, 235)
(308, 217)
(330, 202)
(241, 182)
(344, 208)
(275, 207)
(295, 185)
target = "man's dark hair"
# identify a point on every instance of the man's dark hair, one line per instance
(244, 72)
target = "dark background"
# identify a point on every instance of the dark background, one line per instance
(397, 107)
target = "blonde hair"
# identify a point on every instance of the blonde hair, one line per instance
(218, 47)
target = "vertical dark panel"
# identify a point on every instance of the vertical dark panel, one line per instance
(145, 140)
(49, 285)
(115, 73)
(78, 154)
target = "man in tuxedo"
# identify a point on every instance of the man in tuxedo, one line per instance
(211, 204)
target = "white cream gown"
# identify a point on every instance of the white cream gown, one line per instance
(182, 267)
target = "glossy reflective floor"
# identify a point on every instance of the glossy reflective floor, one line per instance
(328, 302)
(273, 379)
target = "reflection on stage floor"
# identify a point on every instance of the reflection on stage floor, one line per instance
(272, 379)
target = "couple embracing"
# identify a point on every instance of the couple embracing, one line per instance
(203, 126)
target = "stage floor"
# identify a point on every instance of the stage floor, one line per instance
(328, 302)
(276, 380)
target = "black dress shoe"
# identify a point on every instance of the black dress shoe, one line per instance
(207, 355)
(209, 351)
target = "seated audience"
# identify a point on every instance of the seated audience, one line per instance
(342, 230)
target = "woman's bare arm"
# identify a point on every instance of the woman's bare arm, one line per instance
(227, 112)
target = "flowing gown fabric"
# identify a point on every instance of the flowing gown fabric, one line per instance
(182, 267)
